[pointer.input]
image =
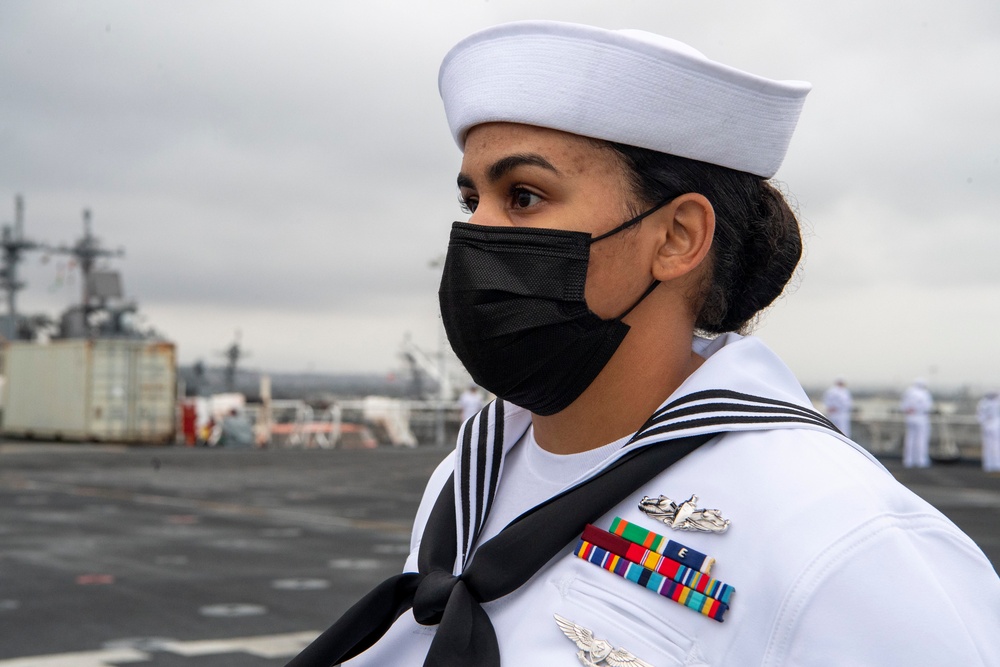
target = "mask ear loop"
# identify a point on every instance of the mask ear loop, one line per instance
(634, 221)
(649, 290)
(625, 225)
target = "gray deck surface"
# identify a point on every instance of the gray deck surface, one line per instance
(139, 556)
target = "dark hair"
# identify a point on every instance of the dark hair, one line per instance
(757, 242)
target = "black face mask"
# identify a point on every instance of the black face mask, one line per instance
(513, 306)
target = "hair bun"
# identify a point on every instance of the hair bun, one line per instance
(769, 253)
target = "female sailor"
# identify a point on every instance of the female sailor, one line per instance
(650, 487)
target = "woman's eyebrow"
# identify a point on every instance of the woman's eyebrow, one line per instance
(505, 165)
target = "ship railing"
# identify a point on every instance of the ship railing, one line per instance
(953, 436)
(366, 422)
(295, 424)
(356, 423)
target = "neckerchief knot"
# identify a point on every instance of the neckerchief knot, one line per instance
(432, 596)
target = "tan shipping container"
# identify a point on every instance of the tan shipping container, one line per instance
(106, 390)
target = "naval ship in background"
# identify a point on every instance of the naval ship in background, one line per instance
(94, 374)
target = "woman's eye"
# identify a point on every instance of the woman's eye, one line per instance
(468, 204)
(522, 198)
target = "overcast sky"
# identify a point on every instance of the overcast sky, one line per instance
(285, 169)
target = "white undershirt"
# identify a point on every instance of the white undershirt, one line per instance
(532, 475)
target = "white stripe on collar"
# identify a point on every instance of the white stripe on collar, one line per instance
(742, 386)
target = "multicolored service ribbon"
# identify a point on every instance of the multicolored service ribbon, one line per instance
(654, 581)
(662, 545)
(640, 555)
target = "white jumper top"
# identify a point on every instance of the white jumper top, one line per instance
(916, 402)
(988, 412)
(837, 400)
(532, 475)
(833, 562)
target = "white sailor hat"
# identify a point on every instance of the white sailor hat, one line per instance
(626, 86)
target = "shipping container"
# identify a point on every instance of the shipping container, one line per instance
(106, 390)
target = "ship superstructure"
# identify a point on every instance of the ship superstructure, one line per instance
(91, 374)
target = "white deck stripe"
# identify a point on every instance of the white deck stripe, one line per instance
(264, 646)
(79, 659)
(267, 646)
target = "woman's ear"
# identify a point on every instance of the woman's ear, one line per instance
(686, 228)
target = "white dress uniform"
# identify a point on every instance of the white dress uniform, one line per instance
(916, 405)
(838, 404)
(833, 562)
(988, 414)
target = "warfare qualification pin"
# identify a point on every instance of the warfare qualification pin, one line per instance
(684, 516)
(596, 652)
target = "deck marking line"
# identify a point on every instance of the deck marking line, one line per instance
(264, 646)
(267, 646)
(79, 659)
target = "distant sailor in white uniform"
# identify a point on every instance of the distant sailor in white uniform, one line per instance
(916, 405)
(988, 414)
(650, 487)
(838, 404)
(470, 401)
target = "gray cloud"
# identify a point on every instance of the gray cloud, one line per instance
(266, 164)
